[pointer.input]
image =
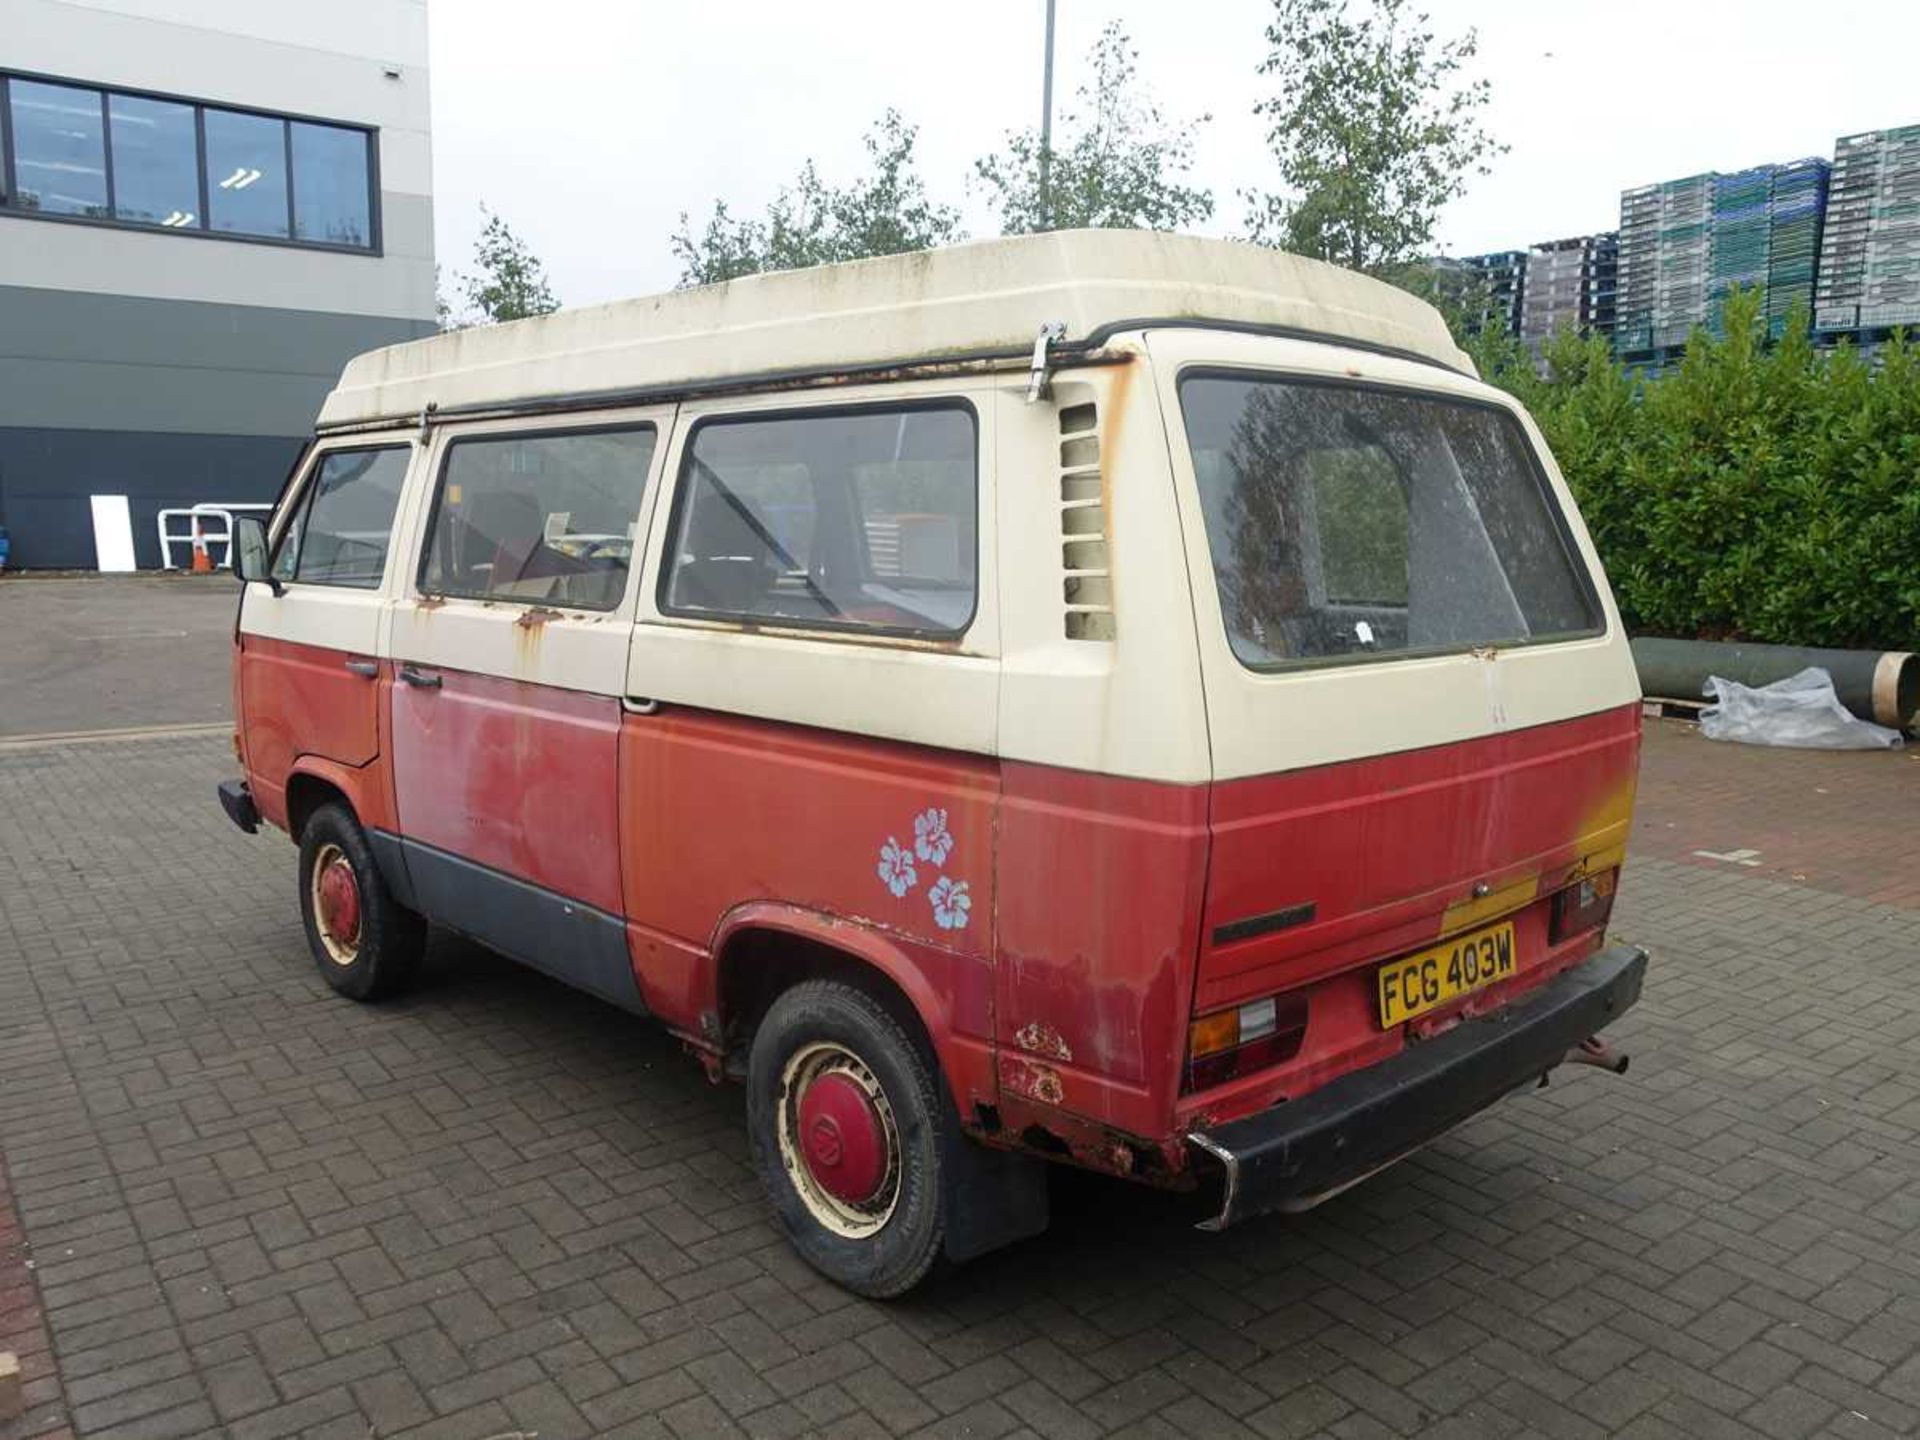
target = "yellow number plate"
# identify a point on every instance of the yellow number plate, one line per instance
(1415, 984)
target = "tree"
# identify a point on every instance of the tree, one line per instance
(508, 281)
(1461, 295)
(1121, 169)
(885, 212)
(1371, 127)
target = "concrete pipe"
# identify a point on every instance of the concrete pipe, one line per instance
(1881, 686)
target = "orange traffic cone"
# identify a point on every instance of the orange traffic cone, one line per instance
(202, 561)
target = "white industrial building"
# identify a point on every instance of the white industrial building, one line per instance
(206, 207)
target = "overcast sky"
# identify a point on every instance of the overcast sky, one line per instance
(591, 126)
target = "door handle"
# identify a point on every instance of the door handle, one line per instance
(420, 679)
(365, 668)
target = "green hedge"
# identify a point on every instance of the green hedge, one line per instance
(1755, 492)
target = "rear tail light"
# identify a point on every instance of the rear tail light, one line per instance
(1583, 905)
(1239, 1041)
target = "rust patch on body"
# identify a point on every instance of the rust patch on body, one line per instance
(1043, 1040)
(535, 616)
(1032, 1080)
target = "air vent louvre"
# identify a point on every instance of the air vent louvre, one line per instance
(1087, 585)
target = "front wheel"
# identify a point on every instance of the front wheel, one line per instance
(365, 942)
(845, 1121)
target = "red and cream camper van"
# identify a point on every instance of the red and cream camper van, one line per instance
(1106, 698)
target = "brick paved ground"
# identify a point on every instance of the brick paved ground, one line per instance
(497, 1206)
(1841, 820)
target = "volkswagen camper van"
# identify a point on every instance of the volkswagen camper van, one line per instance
(1099, 698)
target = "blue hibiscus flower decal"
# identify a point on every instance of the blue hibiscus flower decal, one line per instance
(932, 841)
(896, 867)
(951, 902)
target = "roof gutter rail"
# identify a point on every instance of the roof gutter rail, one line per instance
(1060, 356)
(1050, 351)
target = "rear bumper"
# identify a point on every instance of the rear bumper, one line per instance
(237, 800)
(1299, 1152)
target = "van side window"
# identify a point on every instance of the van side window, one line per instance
(340, 532)
(861, 519)
(546, 518)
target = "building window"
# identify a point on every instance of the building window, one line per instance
(331, 197)
(156, 180)
(247, 173)
(73, 151)
(59, 152)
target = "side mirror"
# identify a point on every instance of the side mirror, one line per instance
(250, 560)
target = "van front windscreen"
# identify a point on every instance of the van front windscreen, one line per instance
(1350, 523)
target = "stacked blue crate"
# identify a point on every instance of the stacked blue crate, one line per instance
(1795, 221)
(1740, 237)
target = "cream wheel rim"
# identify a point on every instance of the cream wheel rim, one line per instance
(839, 1140)
(338, 915)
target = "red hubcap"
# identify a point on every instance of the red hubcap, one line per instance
(340, 902)
(841, 1138)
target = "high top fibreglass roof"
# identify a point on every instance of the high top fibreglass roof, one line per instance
(967, 300)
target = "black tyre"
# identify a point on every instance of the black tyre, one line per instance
(366, 944)
(847, 1128)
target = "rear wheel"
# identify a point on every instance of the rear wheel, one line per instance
(366, 944)
(846, 1122)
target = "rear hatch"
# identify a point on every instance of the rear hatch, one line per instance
(1317, 876)
(1422, 710)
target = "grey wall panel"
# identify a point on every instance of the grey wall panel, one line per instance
(69, 325)
(111, 362)
(45, 254)
(184, 398)
(46, 476)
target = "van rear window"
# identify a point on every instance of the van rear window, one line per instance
(1350, 523)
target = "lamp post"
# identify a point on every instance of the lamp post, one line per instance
(1046, 130)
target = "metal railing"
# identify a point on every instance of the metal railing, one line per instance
(208, 524)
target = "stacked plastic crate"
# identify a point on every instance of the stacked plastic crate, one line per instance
(1686, 254)
(1795, 222)
(1843, 246)
(1892, 293)
(1741, 237)
(1870, 250)
(1555, 293)
(1603, 280)
(1637, 269)
(1504, 274)
(1571, 284)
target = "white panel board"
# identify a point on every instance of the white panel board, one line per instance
(112, 532)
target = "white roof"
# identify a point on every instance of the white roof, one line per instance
(966, 300)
